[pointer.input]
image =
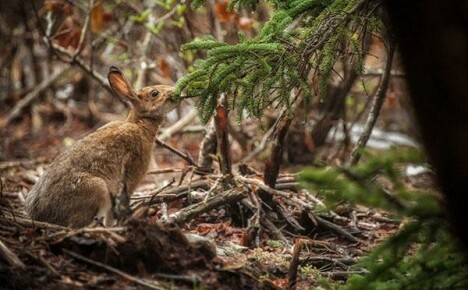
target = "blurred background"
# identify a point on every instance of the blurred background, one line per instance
(55, 55)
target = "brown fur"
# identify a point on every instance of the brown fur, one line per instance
(79, 184)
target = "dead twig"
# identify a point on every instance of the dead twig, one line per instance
(174, 193)
(335, 228)
(11, 258)
(182, 155)
(376, 106)
(183, 278)
(274, 231)
(67, 233)
(266, 138)
(159, 190)
(208, 148)
(272, 165)
(190, 212)
(343, 275)
(165, 170)
(214, 187)
(84, 30)
(32, 95)
(28, 223)
(178, 126)
(294, 264)
(290, 197)
(84, 67)
(344, 262)
(40, 258)
(254, 229)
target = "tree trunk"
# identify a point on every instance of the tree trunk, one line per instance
(433, 37)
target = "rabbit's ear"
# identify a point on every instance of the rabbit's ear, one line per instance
(120, 85)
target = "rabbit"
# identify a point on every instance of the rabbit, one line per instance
(82, 183)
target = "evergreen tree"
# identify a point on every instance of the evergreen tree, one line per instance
(294, 52)
(294, 55)
(423, 254)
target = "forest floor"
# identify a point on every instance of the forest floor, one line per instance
(144, 253)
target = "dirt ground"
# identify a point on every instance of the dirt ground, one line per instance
(147, 253)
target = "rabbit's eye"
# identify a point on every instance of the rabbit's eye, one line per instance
(154, 93)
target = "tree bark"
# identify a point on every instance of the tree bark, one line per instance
(433, 37)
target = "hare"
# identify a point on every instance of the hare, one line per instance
(82, 183)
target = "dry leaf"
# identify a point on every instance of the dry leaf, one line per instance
(164, 67)
(97, 17)
(58, 6)
(221, 12)
(68, 34)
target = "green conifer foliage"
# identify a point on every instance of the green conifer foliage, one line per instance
(423, 254)
(295, 52)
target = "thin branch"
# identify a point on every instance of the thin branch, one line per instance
(11, 258)
(31, 96)
(102, 80)
(294, 264)
(26, 222)
(74, 59)
(80, 46)
(165, 170)
(274, 230)
(144, 48)
(182, 155)
(208, 148)
(335, 228)
(174, 193)
(266, 138)
(302, 204)
(376, 106)
(272, 165)
(188, 213)
(178, 126)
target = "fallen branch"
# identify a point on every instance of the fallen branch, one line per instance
(275, 232)
(188, 213)
(309, 208)
(165, 170)
(67, 233)
(335, 228)
(11, 258)
(28, 223)
(171, 194)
